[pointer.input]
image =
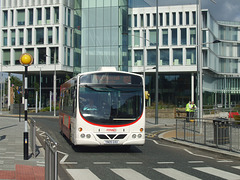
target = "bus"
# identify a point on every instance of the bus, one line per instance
(104, 107)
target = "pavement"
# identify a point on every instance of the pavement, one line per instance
(12, 163)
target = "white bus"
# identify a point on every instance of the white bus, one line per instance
(105, 107)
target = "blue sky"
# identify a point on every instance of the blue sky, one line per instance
(223, 10)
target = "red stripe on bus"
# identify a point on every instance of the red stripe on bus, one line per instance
(122, 125)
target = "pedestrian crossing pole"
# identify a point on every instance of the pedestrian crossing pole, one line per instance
(26, 60)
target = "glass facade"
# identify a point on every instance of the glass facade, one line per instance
(103, 24)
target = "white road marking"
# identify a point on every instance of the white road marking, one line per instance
(129, 174)
(82, 174)
(165, 162)
(218, 173)
(134, 162)
(175, 174)
(236, 167)
(199, 155)
(64, 159)
(195, 162)
(101, 163)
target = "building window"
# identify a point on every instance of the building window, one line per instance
(154, 19)
(42, 56)
(18, 53)
(152, 37)
(164, 57)
(142, 20)
(151, 57)
(174, 36)
(177, 57)
(30, 11)
(174, 19)
(192, 36)
(69, 17)
(21, 17)
(56, 15)
(161, 19)
(5, 18)
(49, 35)
(138, 57)
(47, 15)
(148, 20)
(136, 38)
(167, 19)
(13, 37)
(39, 35)
(191, 56)
(135, 20)
(5, 37)
(129, 21)
(183, 36)
(57, 35)
(180, 18)
(21, 40)
(6, 57)
(29, 32)
(194, 17)
(187, 18)
(12, 18)
(66, 36)
(165, 37)
(39, 16)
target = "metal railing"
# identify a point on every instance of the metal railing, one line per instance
(219, 132)
(51, 159)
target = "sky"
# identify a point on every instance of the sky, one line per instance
(223, 10)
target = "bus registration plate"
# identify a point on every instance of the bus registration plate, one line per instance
(111, 141)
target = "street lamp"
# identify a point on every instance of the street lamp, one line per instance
(157, 42)
(54, 83)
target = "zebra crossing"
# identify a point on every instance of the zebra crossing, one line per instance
(131, 174)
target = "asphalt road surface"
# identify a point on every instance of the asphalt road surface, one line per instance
(157, 159)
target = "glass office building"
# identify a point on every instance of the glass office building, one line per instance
(73, 36)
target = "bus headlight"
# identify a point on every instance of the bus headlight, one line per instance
(139, 135)
(134, 136)
(82, 135)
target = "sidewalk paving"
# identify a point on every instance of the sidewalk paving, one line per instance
(12, 163)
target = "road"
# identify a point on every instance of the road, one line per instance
(157, 159)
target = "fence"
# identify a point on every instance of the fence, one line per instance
(51, 160)
(219, 132)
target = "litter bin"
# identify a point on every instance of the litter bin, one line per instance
(221, 131)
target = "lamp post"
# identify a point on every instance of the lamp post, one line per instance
(26, 60)
(156, 91)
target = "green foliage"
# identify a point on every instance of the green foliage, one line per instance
(16, 85)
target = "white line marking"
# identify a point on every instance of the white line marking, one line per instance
(236, 167)
(82, 174)
(101, 163)
(165, 162)
(129, 174)
(175, 174)
(218, 173)
(134, 162)
(199, 155)
(224, 161)
(195, 162)
(164, 144)
(64, 158)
